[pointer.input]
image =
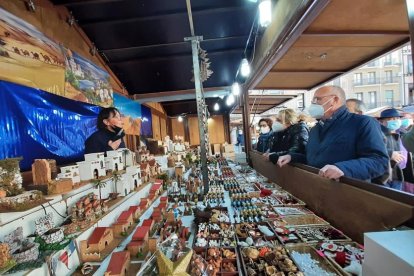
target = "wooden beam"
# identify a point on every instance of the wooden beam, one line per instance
(307, 71)
(358, 33)
(296, 26)
(83, 2)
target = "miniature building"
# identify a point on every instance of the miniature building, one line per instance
(141, 233)
(99, 156)
(144, 203)
(114, 160)
(179, 171)
(156, 189)
(155, 168)
(123, 223)
(91, 169)
(88, 208)
(133, 176)
(137, 247)
(152, 244)
(145, 172)
(164, 199)
(41, 172)
(148, 223)
(136, 211)
(70, 172)
(119, 264)
(143, 154)
(156, 215)
(129, 157)
(97, 242)
(122, 185)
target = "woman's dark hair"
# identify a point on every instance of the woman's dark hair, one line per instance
(268, 121)
(105, 114)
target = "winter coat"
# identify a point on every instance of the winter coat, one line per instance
(352, 142)
(392, 143)
(291, 140)
(264, 140)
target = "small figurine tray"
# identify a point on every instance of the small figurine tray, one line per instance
(292, 211)
(244, 230)
(304, 220)
(306, 257)
(225, 261)
(262, 261)
(341, 253)
(315, 234)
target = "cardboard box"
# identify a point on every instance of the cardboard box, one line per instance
(389, 253)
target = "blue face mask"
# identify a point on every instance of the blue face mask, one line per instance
(406, 122)
(394, 124)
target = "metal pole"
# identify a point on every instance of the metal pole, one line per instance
(201, 110)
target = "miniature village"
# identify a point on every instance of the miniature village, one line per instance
(132, 213)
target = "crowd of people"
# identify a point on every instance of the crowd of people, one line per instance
(343, 142)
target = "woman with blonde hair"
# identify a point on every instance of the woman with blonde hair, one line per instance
(289, 135)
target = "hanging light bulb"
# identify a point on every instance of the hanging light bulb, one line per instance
(180, 119)
(235, 89)
(265, 13)
(216, 107)
(245, 68)
(230, 99)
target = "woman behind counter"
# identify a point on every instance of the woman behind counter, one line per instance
(266, 133)
(109, 134)
(289, 135)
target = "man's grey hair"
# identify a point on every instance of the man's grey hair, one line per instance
(359, 105)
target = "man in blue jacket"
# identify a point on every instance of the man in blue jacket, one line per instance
(342, 143)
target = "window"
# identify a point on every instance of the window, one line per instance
(372, 99)
(389, 97)
(358, 78)
(371, 77)
(409, 69)
(388, 60)
(300, 103)
(388, 76)
(359, 96)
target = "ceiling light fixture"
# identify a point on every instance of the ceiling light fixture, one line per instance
(245, 68)
(235, 89)
(230, 99)
(216, 107)
(265, 13)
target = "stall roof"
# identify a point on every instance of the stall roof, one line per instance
(262, 103)
(344, 35)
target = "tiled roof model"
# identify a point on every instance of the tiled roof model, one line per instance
(117, 261)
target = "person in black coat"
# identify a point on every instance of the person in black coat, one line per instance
(109, 134)
(289, 136)
(263, 144)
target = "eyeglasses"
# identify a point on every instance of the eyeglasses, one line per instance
(262, 125)
(318, 99)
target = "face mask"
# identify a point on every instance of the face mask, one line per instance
(240, 132)
(394, 124)
(277, 127)
(264, 130)
(406, 122)
(119, 132)
(317, 111)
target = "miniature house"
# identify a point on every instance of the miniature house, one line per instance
(139, 244)
(155, 168)
(123, 223)
(148, 223)
(156, 189)
(133, 176)
(144, 203)
(71, 172)
(97, 242)
(45, 229)
(122, 185)
(21, 248)
(114, 160)
(129, 157)
(99, 156)
(145, 172)
(119, 264)
(41, 171)
(136, 211)
(91, 169)
(179, 171)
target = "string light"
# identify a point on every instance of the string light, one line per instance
(245, 68)
(180, 119)
(235, 89)
(265, 13)
(216, 107)
(230, 99)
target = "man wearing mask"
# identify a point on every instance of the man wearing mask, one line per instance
(390, 125)
(265, 125)
(341, 143)
(109, 134)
